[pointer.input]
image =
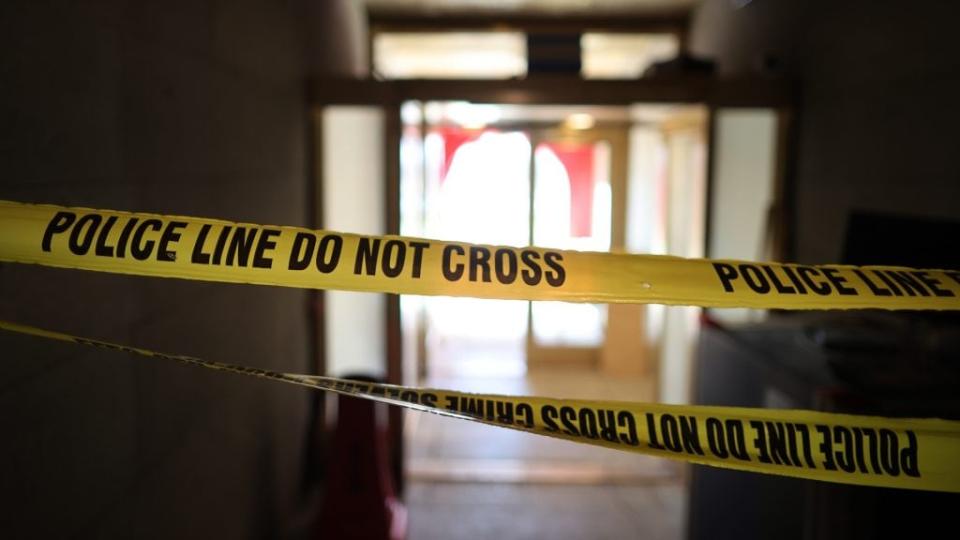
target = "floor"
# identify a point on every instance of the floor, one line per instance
(453, 511)
(467, 480)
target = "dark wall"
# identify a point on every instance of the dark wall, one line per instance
(188, 107)
(877, 122)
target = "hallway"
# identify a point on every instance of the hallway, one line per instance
(468, 480)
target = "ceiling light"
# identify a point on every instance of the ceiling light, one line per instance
(471, 115)
(580, 121)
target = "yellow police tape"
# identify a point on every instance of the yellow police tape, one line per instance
(214, 250)
(849, 449)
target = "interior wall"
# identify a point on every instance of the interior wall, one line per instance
(338, 38)
(646, 225)
(744, 157)
(354, 195)
(193, 108)
(876, 121)
(686, 213)
(742, 182)
(666, 213)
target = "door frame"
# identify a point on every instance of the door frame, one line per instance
(768, 92)
(616, 135)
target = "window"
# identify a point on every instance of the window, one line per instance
(624, 56)
(450, 55)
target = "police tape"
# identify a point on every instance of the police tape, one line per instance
(849, 449)
(215, 250)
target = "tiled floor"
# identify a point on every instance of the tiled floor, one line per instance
(467, 480)
(453, 511)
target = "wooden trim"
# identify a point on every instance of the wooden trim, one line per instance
(547, 125)
(783, 200)
(314, 209)
(619, 172)
(318, 436)
(535, 135)
(560, 357)
(616, 135)
(651, 471)
(708, 212)
(667, 22)
(394, 336)
(557, 90)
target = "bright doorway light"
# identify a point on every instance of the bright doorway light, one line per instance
(580, 121)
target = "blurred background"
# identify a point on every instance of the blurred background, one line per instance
(803, 131)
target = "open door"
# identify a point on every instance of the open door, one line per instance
(579, 185)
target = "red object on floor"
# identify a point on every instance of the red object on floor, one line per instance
(359, 500)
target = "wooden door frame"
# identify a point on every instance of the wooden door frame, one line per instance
(768, 92)
(616, 135)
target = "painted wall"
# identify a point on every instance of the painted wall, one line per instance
(742, 192)
(876, 127)
(353, 201)
(194, 108)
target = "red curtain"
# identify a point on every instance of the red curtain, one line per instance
(577, 159)
(453, 138)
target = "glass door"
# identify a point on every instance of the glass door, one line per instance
(512, 176)
(577, 175)
(478, 190)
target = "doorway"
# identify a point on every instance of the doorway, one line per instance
(657, 206)
(550, 176)
(516, 176)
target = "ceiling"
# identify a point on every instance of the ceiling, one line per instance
(552, 7)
